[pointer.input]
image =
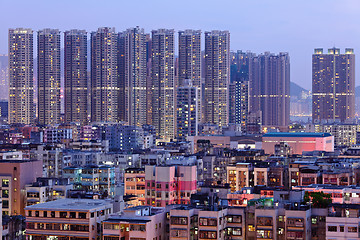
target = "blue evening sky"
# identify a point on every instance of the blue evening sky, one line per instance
(294, 26)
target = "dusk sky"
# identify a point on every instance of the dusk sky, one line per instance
(294, 26)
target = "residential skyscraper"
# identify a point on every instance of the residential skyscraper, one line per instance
(187, 107)
(132, 71)
(217, 77)
(105, 86)
(76, 80)
(190, 60)
(239, 87)
(49, 76)
(21, 85)
(4, 77)
(333, 85)
(269, 88)
(163, 111)
(149, 85)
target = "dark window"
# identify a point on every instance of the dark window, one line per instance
(30, 225)
(63, 214)
(5, 204)
(179, 220)
(48, 226)
(332, 228)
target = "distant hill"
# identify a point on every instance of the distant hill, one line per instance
(357, 91)
(295, 90)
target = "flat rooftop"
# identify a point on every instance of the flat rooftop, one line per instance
(296, 134)
(69, 204)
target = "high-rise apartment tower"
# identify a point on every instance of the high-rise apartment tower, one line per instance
(76, 80)
(217, 77)
(163, 110)
(49, 103)
(190, 60)
(21, 85)
(105, 84)
(132, 71)
(269, 88)
(333, 85)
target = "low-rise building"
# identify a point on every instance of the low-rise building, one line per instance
(47, 189)
(52, 158)
(187, 222)
(169, 185)
(298, 141)
(135, 184)
(345, 134)
(14, 176)
(343, 222)
(78, 219)
(141, 222)
(99, 179)
(57, 135)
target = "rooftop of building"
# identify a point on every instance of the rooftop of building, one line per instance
(4, 161)
(184, 207)
(296, 134)
(90, 167)
(113, 219)
(68, 204)
(345, 206)
(134, 170)
(329, 186)
(137, 214)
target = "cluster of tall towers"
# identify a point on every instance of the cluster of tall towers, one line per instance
(134, 77)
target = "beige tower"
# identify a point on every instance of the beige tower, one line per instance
(163, 111)
(76, 79)
(104, 75)
(132, 71)
(21, 85)
(49, 76)
(217, 77)
(190, 60)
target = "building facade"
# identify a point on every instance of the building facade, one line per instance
(21, 83)
(239, 88)
(133, 76)
(333, 85)
(66, 219)
(76, 76)
(269, 88)
(169, 185)
(298, 142)
(190, 60)
(163, 80)
(141, 222)
(14, 175)
(187, 111)
(217, 77)
(49, 76)
(105, 86)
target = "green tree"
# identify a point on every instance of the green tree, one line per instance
(318, 199)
